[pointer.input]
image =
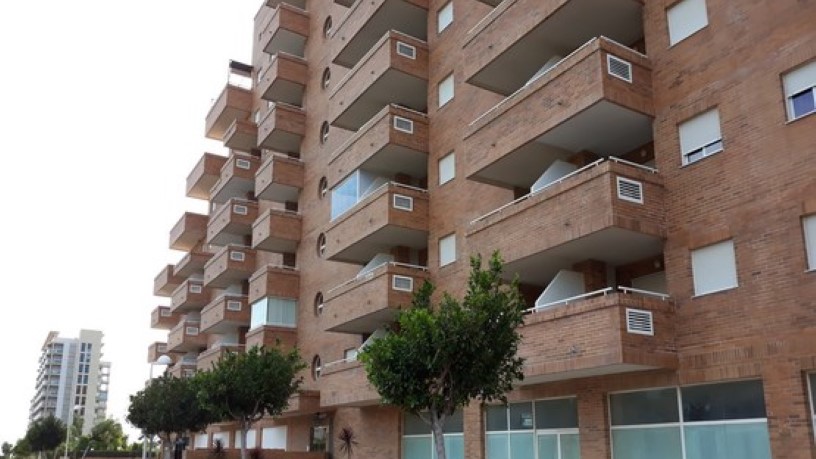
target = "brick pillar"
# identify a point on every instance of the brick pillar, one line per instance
(473, 419)
(401, 254)
(787, 407)
(582, 158)
(593, 424)
(291, 206)
(594, 272)
(289, 259)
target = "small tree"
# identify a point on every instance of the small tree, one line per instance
(22, 448)
(242, 387)
(6, 449)
(439, 358)
(45, 434)
(168, 407)
(107, 435)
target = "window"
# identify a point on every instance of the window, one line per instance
(403, 125)
(322, 187)
(809, 224)
(273, 438)
(447, 169)
(444, 17)
(714, 268)
(324, 132)
(812, 392)
(354, 189)
(447, 249)
(327, 27)
(324, 82)
(417, 441)
(317, 367)
(321, 245)
(257, 117)
(700, 136)
(445, 90)
(685, 18)
(533, 430)
(318, 304)
(406, 50)
(713, 421)
(800, 91)
(280, 312)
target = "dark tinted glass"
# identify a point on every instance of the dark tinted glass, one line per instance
(496, 417)
(645, 407)
(713, 402)
(415, 426)
(454, 423)
(556, 414)
(521, 416)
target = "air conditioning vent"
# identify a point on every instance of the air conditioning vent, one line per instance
(161, 348)
(619, 68)
(195, 288)
(402, 283)
(165, 313)
(242, 164)
(240, 210)
(639, 322)
(630, 190)
(237, 256)
(406, 50)
(403, 124)
(233, 305)
(192, 331)
(403, 202)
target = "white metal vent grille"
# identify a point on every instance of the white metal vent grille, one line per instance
(240, 210)
(403, 124)
(192, 331)
(242, 164)
(161, 348)
(195, 288)
(233, 305)
(639, 322)
(403, 202)
(165, 313)
(406, 50)
(237, 256)
(630, 190)
(188, 373)
(402, 283)
(619, 68)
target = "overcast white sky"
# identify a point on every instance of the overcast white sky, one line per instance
(102, 107)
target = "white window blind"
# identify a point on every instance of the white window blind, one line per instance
(447, 169)
(224, 437)
(447, 249)
(274, 438)
(685, 18)
(800, 90)
(445, 90)
(251, 438)
(700, 136)
(444, 17)
(714, 268)
(810, 240)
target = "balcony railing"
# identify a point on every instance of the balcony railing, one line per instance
(287, 30)
(241, 135)
(162, 318)
(225, 314)
(186, 337)
(271, 336)
(156, 350)
(208, 358)
(282, 128)
(166, 281)
(346, 384)
(234, 103)
(204, 175)
(237, 178)
(231, 265)
(277, 231)
(232, 222)
(192, 264)
(189, 231)
(279, 178)
(276, 281)
(284, 79)
(190, 295)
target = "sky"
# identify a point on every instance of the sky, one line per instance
(102, 107)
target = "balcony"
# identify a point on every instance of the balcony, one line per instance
(345, 383)
(346, 3)
(241, 135)
(395, 71)
(225, 314)
(208, 358)
(277, 281)
(271, 336)
(230, 265)
(188, 232)
(395, 141)
(577, 106)
(236, 179)
(280, 178)
(183, 369)
(186, 337)
(232, 222)
(392, 215)
(190, 295)
(166, 282)
(302, 403)
(366, 22)
(277, 231)
(588, 214)
(284, 80)
(287, 31)
(275, 3)
(619, 333)
(162, 318)
(234, 103)
(369, 302)
(282, 128)
(528, 35)
(204, 175)
(192, 264)
(156, 350)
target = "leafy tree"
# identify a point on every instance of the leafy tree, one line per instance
(440, 357)
(6, 449)
(168, 407)
(45, 434)
(243, 387)
(22, 448)
(107, 435)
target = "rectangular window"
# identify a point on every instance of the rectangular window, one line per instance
(242, 163)
(685, 18)
(233, 305)
(403, 125)
(403, 202)
(240, 209)
(447, 168)
(406, 50)
(354, 189)
(809, 224)
(700, 136)
(237, 256)
(447, 249)
(444, 17)
(529, 430)
(812, 393)
(417, 441)
(445, 90)
(280, 312)
(195, 288)
(714, 268)
(800, 91)
(350, 354)
(402, 283)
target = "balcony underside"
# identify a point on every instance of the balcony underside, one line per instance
(381, 241)
(394, 159)
(604, 128)
(235, 187)
(281, 141)
(375, 320)
(393, 87)
(585, 373)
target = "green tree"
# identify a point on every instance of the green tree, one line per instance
(243, 387)
(45, 434)
(438, 358)
(22, 448)
(6, 449)
(107, 435)
(168, 407)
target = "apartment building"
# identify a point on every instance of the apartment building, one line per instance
(72, 380)
(646, 169)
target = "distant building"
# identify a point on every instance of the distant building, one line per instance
(72, 375)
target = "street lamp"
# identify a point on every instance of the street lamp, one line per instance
(68, 429)
(163, 360)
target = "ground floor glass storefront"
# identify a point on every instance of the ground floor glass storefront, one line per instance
(541, 429)
(417, 441)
